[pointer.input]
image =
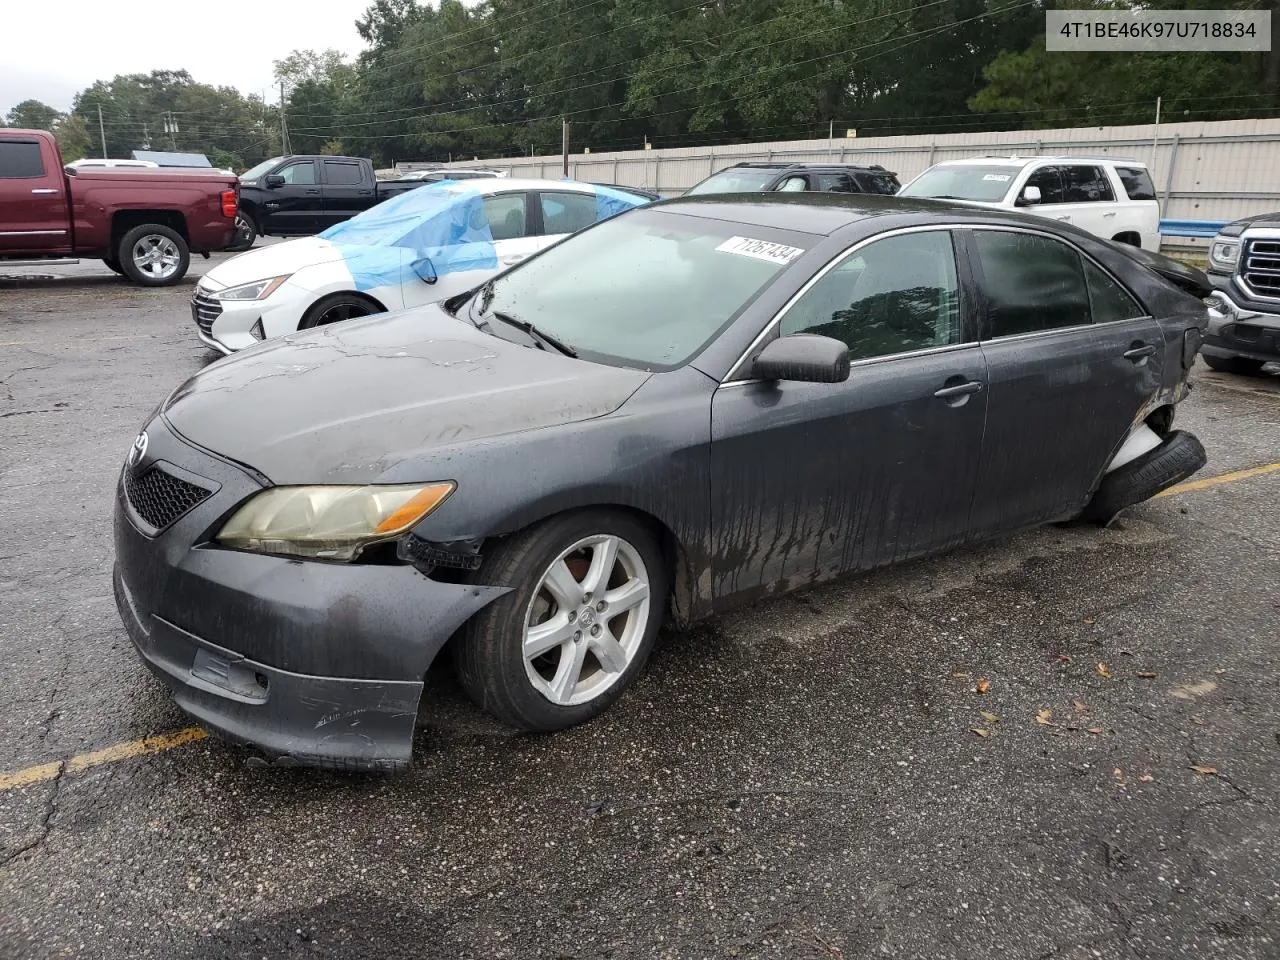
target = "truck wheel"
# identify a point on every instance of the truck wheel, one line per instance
(154, 256)
(246, 234)
(588, 594)
(1178, 457)
(113, 265)
(1246, 366)
(338, 306)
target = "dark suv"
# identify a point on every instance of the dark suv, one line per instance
(799, 177)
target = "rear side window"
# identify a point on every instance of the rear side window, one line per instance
(884, 183)
(20, 160)
(1137, 183)
(837, 183)
(1032, 283)
(1049, 180)
(506, 215)
(567, 212)
(1109, 300)
(1086, 185)
(342, 174)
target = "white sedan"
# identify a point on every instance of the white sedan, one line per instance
(416, 248)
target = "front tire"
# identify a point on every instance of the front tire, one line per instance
(335, 308)
(113, 265)
(246, 234)
(1245, 366)
(590, 589)
(153, 255)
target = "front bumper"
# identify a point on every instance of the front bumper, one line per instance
(1248, 328)
(319, 663)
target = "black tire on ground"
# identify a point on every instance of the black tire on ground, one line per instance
(113, 265)
(489, 656)
(135, 244)
(1178, 457)
(246, 234)
(1246, 366)
(336, 307)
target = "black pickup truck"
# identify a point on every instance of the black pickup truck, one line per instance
(300, 195)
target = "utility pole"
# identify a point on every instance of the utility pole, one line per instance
(831, 132)
(564, 147)
(284, 125)
(1155, 137)
(102, 133)
(171, 128)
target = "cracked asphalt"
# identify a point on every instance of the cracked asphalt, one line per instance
(801, 779)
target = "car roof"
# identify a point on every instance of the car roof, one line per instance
(782, 165)
(1016, 161)
(815, 213)
(507, 184)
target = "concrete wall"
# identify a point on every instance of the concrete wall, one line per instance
(1203, 171)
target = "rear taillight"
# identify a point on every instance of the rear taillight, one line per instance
(229, 204)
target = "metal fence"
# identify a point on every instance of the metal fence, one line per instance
(1203, 171)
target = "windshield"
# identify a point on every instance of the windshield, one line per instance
(967, 181)
(647, 289)
(735, 180)
(253, 173)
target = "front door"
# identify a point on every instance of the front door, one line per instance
(33, 205)
(297, 207)
(1072, 360)
(814, 480)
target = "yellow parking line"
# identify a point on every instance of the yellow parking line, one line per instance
(1219, 480)
(113, 754)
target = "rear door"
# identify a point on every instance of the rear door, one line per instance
(33, 205)
(513, 226)
(564, 212)
(835, 182)
(1072, 361)
(1088, 200)
(297, 208)
(347, 189)
(812, 480)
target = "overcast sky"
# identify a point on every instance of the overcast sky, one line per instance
(53, 50)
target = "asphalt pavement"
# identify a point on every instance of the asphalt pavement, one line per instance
(1056, 746)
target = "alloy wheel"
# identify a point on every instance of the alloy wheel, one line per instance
(156, 256)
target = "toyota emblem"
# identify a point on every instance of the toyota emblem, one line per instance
(138, 450)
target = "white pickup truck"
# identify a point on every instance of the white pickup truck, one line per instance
(1111, 198)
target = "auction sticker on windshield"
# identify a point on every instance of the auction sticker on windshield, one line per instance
(998, 177)
(760, 249)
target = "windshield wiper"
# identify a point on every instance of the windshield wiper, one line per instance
(541, 338)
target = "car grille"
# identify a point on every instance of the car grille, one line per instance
(1260, 267)
(159, 497)
(204, 310)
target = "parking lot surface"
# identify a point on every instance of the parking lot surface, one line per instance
(1061, 745)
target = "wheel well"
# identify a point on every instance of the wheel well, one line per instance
(126, 220)
(372, 301)
(1161, 420)
(1131, 237)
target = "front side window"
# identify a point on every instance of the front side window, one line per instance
(1049, 181)
(506, 215)
(20, 160)
(895, 295)
(567, 212)
(1137, 183)
(646, 288)
(342, 174)
(1032, 283)
(793, 185)
(1081, 184)
(300, 173)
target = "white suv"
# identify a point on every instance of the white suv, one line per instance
(1110, 198)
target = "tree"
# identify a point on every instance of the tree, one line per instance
(33, 115)
(73, 138)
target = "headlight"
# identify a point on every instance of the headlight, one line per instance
(1225, 253)
(258, 290)
(330, 522)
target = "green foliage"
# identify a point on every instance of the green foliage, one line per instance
(32, 115)
(73, 138)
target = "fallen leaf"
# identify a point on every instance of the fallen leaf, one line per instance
(1189, 691)
(1095, 730)
(1088, 620)
(983, 685)
(989, 717)
(1146, 778)
(1103, 671)
(1080, 707)
(1198, 720)
(1204, 771)
(1146, 675)
(1219, 672)
(1119, 774)
(979, 731)
(1064, 658)
(1043, 718)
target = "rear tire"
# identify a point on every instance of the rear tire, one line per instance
(1178, 457)
(1245, 366)
(546, 656)
(335, 308)
(153, 255)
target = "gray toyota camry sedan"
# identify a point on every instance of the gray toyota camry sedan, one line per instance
(686, 407)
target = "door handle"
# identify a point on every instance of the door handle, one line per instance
(44, 191)
(1108, 216)
(313, 191)
(366, 193)
(513, 258)
(959, 390)
(1139, 352)
(1068, 219)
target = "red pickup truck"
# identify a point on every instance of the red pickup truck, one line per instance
(143, 223)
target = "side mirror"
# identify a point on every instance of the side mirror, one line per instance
(803, 357)
(273, 180)
(425, 269)
(1029, 196)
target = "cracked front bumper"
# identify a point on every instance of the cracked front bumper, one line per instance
(320, 663)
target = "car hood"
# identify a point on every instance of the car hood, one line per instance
(347, 402)
(1237, 227)
(275, 260)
